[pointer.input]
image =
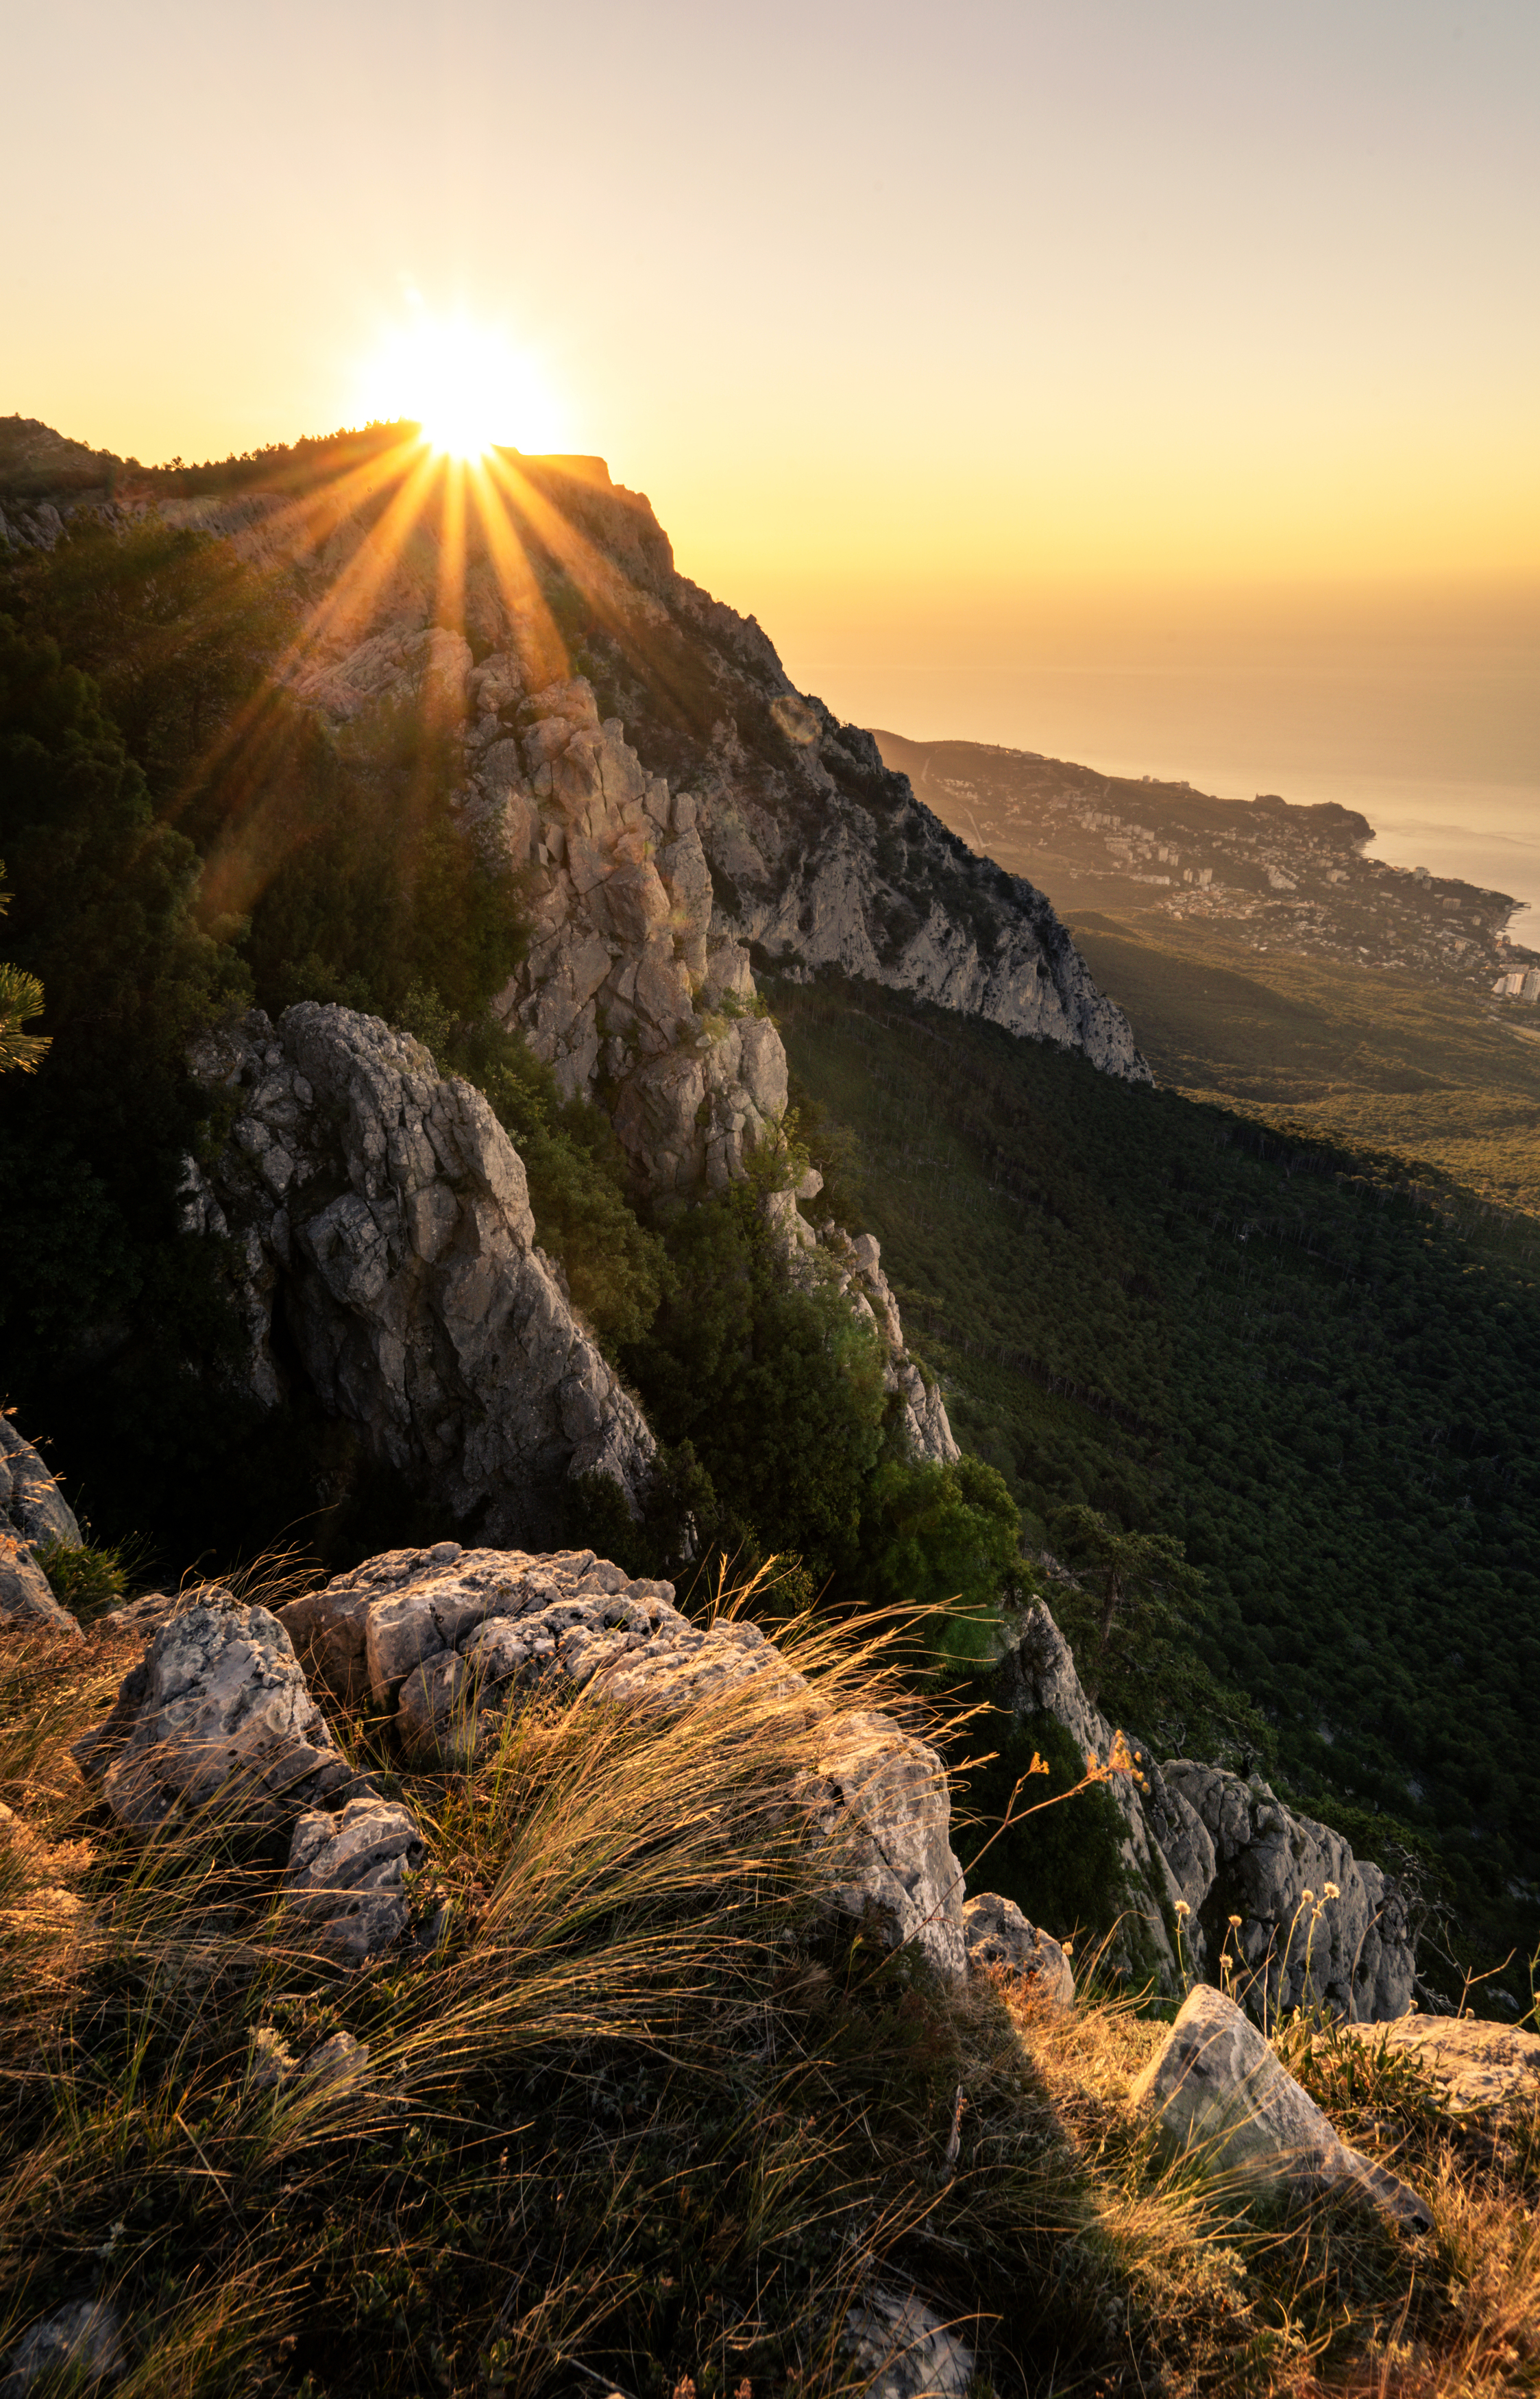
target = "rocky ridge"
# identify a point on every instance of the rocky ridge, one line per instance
(646, 869)
(388, 1261)
(1202, 1847)
(220, 1714)
(740, 812)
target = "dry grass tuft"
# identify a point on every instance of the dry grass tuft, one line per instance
(633, 2110)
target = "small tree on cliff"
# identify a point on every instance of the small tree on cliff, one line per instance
(1141, 1583)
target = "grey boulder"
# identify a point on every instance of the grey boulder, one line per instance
(217, 1715)
(1217, 2094)
(344, 1889)
(82, 2341)
(900, 2349)
(996, 1934)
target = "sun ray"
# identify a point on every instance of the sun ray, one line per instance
(542, 652)
(251, 846)
(610, 592)
(450, 608)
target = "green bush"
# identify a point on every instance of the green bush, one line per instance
(946, 1539)
(778, 1390)
(85, 1580)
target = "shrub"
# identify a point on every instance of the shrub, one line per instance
(84, 1579)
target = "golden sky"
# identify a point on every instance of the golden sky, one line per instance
(1006, 332)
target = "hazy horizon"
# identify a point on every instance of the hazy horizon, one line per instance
(1442, 766)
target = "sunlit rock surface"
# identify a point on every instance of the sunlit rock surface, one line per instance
(445, 1642)
(33, 1513)
(389, 1248)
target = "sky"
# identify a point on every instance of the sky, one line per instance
(1149, 384)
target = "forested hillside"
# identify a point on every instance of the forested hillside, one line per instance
(1265, 1347)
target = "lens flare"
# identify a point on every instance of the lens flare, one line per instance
(466, 384)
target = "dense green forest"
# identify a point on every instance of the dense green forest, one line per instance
(1364, 1055)
(1264, 1346)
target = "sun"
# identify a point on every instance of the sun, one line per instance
(463, 383)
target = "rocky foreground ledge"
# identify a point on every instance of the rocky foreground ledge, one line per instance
(227, 1717)
(220, 1714)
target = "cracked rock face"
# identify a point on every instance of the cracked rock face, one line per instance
(344, 1887)
(450, 1640)
(33, 1513)
(389, 1246)
(217, 1713)
(624, 989)
(996, 1934)
(1038, 1677)
(1356, 1956)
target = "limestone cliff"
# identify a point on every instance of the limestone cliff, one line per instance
(390, 1262)
(671, 807)
(33, 1515)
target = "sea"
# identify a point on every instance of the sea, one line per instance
(1444, 761)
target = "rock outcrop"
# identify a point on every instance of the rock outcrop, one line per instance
(1476, 2066)
(344, 1887)
(996, 1934)
(446, 1642)
(34, 1513)
(1218, 2094)
(1318, 1925)
(1038, 1678)
(624, 993)
(857, 1268)
(218, 1720)
(216, 1715)
(902, 2350)
(30, 1497)
(26, 1594)
(389, 1255)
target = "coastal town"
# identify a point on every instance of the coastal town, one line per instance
(1274, 873)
